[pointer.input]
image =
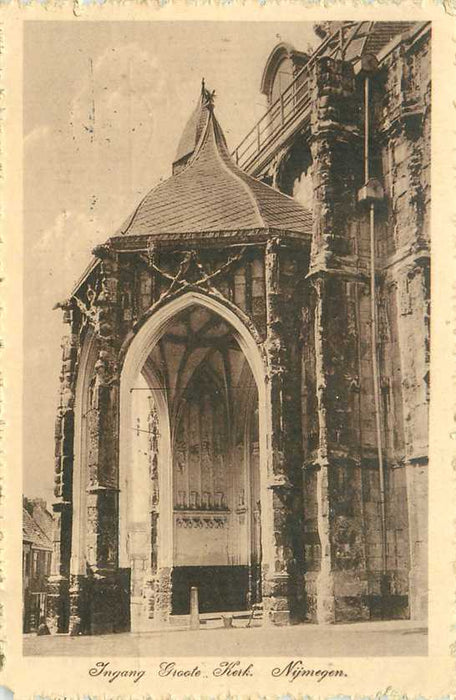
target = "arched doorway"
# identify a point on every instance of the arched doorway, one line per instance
(192, 438)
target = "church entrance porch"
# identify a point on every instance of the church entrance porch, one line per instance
(193, 426)
(217, 427)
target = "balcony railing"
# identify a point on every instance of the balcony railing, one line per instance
(278, 119)
(292, 108)
(293, 105)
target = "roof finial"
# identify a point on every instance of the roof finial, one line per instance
(207, 97)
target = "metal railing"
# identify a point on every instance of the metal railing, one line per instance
(292, 105)
(282, 114)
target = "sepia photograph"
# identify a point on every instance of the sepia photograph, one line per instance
(226, 340)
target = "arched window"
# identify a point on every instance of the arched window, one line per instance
(295, 173)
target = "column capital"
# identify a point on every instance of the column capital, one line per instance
(280, 482)
(104, 251)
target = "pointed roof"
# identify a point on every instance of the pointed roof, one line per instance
(211, 193)
(192, 132)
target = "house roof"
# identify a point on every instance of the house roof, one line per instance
(33, 534)
(43, 518)
(212, 194)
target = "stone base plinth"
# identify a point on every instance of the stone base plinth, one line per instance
(418, 595)
(163, 595)
(109, 604)
(79, 605)
(278, 618)
(99, 604)
(417, 499)
(58, 604)
(325, 600)
(277, 602)
(153, 608)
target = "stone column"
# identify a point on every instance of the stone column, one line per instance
(58, 584)
(325, 581)
(341, 582)
(105, 587)
(406, 132)
(413, 334)
(281, 513)
(335, 145)
(156, 607)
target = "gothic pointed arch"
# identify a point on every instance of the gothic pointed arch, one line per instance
(200, 529)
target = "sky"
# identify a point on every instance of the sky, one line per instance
(104, 106)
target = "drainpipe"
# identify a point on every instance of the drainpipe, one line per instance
(371, 194)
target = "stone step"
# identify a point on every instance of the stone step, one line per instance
(205, 618)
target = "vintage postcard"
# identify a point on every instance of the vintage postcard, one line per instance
(228, 350)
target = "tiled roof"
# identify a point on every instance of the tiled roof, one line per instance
(383, 32)
(211, 194)
(44, 520)
(33, 534)
(371, 37)
(193, 130)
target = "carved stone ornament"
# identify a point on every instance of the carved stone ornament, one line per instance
(190, 262)
(105, 369)
(199, 522)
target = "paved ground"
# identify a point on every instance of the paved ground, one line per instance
(392, 638)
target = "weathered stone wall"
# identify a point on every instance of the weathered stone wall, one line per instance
(343, 378)
(404, 122)
(58, 609)
(336, 574)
